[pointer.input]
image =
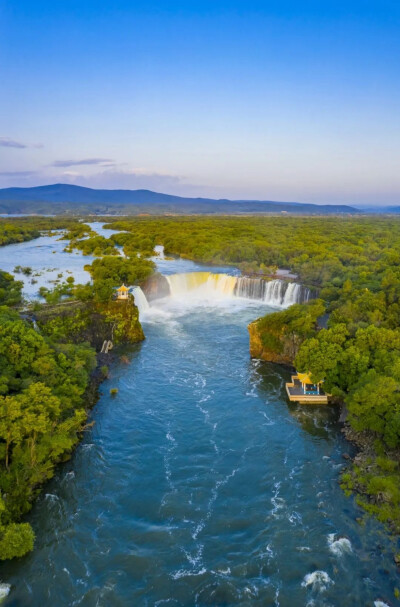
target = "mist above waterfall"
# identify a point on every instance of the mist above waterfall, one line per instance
(277, 293)
(216, 287)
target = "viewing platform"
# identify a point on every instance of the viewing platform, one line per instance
(302, 390)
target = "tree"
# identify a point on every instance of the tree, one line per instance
(375, 405)
(16, 539)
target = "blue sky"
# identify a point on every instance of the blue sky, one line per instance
(269, 100)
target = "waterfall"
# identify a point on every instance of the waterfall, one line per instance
(276, 293)
(159, 251)
(292, 294)
(202, 284)
(140, 299)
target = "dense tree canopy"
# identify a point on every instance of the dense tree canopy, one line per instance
(42, 384)
(10, 289)
(11, 232)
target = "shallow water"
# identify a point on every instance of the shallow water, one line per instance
(47, 258)
(200, 485)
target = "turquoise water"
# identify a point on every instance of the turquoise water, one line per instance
(199, 485)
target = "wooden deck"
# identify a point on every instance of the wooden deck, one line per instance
(296, 394)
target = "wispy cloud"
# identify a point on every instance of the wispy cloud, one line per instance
(17, 173)
(7, 142)
(84, 161)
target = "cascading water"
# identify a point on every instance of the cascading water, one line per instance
(159, 251)
(277, 293)
(140, 299)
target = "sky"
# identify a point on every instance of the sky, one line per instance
(281, 100)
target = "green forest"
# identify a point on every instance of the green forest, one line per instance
(351, 264)
(42, 410)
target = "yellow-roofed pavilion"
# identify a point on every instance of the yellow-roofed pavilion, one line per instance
(303, 390)
(122, 292)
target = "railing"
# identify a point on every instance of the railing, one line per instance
(295, 395)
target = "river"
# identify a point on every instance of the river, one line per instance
(200, 485)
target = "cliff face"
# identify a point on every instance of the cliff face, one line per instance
(277, 337)
(156, 287)
(273, 346)
(122, 318)
(79, 322)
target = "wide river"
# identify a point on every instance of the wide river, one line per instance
(199, 485)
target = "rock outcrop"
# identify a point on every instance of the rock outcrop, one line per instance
(77, 322)
(277, 337)
(156, 287)
(273, 347)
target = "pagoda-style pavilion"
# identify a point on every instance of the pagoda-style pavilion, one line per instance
(122, 292)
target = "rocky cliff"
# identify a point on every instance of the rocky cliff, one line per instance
(277, 337)
(273, 347)
(77, 322)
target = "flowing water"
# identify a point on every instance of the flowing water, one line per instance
(199, 485)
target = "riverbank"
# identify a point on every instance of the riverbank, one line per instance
(374, 477)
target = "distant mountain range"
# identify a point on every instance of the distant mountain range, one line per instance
(62, 198)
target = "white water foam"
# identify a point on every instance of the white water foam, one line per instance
(4, 590)
(214, 494)
(269, 421)
(277, 502)
(317, 580)
(226, 571)
(185, 573)
(339, 546)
